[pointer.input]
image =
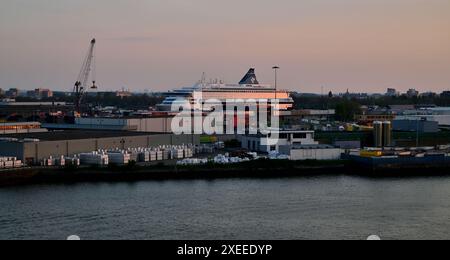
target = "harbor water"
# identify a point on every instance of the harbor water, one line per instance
(334, 207)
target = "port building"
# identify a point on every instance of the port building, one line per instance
(155, 124)
(263, 143)
(20, 128)
(417, 125)
(312, 152)
(297, 145)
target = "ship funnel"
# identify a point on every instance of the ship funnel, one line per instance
(249, 78)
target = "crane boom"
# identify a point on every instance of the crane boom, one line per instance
(87, 68)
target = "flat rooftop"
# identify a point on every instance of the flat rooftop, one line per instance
(76, 135)
(20, 123)
(33, 104)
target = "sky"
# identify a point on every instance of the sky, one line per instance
(157, 45)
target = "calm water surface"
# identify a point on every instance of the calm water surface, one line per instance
(301, 208)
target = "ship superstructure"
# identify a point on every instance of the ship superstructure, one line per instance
(248, 88)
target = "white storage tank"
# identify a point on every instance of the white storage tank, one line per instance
(387, 133)
(378, 133)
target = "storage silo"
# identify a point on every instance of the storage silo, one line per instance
(378, 133)
(387, 133)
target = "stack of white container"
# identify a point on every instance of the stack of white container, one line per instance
(177, 153)
(162, 153)
(134, 155)
(119, 158)
(159, 155)
(153, 156)
(226, 159)
(10, 162)
(189, 161)
(94, 158)
(18, 163)
(144, 156)
(188, 153)
(61, 161)
(166, 154)
(75, 161)
(48, 161)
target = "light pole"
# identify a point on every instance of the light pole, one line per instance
(417, 133)
(276, 68)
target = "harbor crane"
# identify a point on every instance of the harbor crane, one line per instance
(87, 70)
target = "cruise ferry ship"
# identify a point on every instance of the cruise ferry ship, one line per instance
(248, 88)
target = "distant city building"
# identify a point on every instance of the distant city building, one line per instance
(400, 109)
(428, 94)
(38, 93)
(26, 110)
(412, 93)
(445, 94)
(43, 93)
(360, 96)
(31, 94)
(123, 93)
(392, 92)
(12, 93)
(376, 95)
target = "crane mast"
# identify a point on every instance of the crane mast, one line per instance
(87, 70)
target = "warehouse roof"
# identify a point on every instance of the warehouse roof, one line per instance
(76, 135)
(20, 123)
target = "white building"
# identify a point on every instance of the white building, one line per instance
(298, 145)
(266, 144)
(311, 152)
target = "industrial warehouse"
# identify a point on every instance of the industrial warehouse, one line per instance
(34, 147)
